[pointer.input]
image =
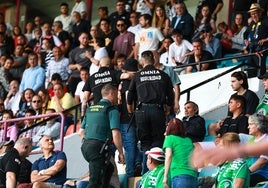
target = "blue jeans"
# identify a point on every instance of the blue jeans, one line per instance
(185, 181)
(132, 153)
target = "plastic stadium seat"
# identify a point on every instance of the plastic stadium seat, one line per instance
(70, 129)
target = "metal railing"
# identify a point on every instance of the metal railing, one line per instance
(52, 116)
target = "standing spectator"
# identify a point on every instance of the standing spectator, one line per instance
(77, 60)
(193, 123)
(183, 21)
(124, 42)
(120, 13)
(80, 7)
(50, 169)
(143, 7)
(148, 38)
(34, 76)
(104, 117)
(65, 18)
(80, 25)
(150, 128)
(13, 97)
(134, 23)
(256, 39)
(178, 149)
(160, 20)
(19, 64)
(63, 36)
(10, 162)
(199, 56)
(79, 94)
(59, 64)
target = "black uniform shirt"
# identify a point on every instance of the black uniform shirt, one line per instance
(151, 85)
(104, 76)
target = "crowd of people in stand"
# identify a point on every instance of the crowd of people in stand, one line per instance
(121, 70)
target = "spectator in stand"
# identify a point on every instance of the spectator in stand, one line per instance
(262, 107)
(178, 149)
(160, 20)
(5, 77)
(103, 12)
(143, 7)
(258, 167)
(199, 55)
(2, 108)
(36, 105)
(9, 42)
(238, 122)
(47, 34)
(34, 76)
(63, 36)
(164, 57)
(13, 97)
(79, 94)
(50, 169)
(134, 21)
(29, 28)
(94, 33)
(120, 62)
(45, 98)
(19, 64)
(241, 7)
(55, 79)
(109, 35)
(120, 13)
(124, 43)
(148, 38)
(193, 123)
(59, 64)
(9, 27)
(77, 60)
(35, 43)
(25, 102)
(215, 7)
(203, 19)
(16, 31)
(256, 39)
(80, 7)
(12, 129)
(3, 58)
(179, 48)
(65, 18)
(38, 21)
(183, 21)
(28, 124)
(3, 46)
(80, 25)
(211, 43)
(51, 128)
(46, 54)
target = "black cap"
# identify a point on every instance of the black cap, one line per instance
(131, 65)
(56, 76)
(7, 143)
(206, 28)
(265, 75)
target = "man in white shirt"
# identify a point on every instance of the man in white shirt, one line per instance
(81, 7)
(65, 18)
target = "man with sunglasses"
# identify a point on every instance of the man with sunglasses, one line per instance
(10, 162)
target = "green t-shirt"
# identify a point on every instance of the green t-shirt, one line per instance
(153, 178)
(99, 120)
(232, 170)
(182, 149)
(262, 108)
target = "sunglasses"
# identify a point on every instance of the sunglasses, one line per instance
(120, 25)
(38, 101)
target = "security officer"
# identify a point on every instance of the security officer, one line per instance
(154, 91)
(95, 82)
(100, 125)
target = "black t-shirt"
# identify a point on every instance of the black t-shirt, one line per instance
(9, 162)
(25, 171)
(104, 76)
(205, 56)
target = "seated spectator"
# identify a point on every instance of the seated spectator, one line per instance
(79, 94)
(258, 166)
(35, 43)
(49, 170)
(155, 164)
(55, 79)
(2, 108)
(211, 43)
(232, 173)
(12, 129)
(120, 62)
(199, 55)
(160, 20)
(36, 105)
(46, 53)
(178, 48)
(193, 123)
(164, 57)
(5, 77)
(19, 64)
(29, 28)
(51, 128)
(225, 34)
(143, 7)
(45, 98)
(28, 124)
(25, 102)
(13, 97)
(238, 122)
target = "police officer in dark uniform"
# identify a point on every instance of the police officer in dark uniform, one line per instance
(100, 125)
(95, 82)
(154, 91)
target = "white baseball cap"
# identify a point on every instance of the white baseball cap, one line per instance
(156, 153)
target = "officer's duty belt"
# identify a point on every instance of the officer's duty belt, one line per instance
(152, 105)
(91, 140)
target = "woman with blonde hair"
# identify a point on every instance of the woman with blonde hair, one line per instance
(160, 20)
